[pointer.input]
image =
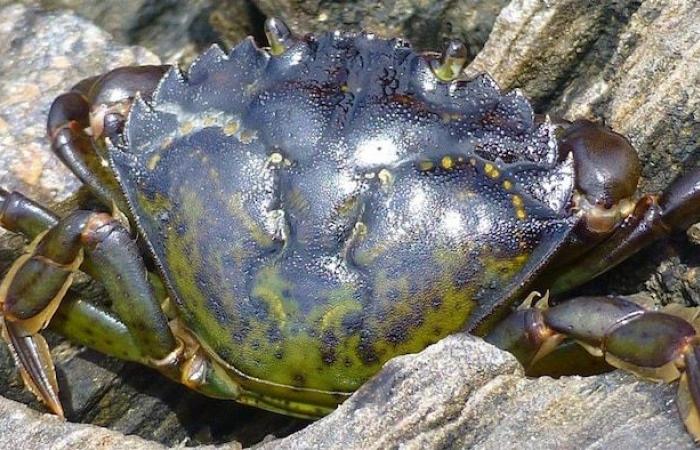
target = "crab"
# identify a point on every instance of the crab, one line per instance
(276, 223)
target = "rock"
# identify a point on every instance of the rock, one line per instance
(464, 393)
(22, 428)
(425, 23)
(458, 393)
(175, 30)
(43, 55)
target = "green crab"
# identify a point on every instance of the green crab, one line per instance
(275, 224)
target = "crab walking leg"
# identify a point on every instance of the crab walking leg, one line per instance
(99, 104)
(654, 345)
(21, 215)
(91, 325)
(675, 210)
(36, 283)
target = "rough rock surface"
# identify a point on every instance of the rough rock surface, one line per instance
(22, 428)
(37, 64)
(464, 393)
(425, 23)
(634, 64)
(458, 393)
(175, 30)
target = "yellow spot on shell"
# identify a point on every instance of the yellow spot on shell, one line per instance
(424, 166)
(491, 170)
(276, 158)
(231, 128)
(186, 127)
(520, 214)
(248, 136)
(385, 177)
(447, 162)
(517, 201)
(153, 162)
(507, 185)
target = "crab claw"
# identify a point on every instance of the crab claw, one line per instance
(279, 35)
(452, 60)
(607, 172)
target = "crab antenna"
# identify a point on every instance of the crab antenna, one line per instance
(278, 34)
(452, 60)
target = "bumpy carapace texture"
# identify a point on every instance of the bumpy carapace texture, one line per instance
(355, 207)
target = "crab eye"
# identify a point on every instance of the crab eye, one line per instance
(606, 165)
(452, 60)
(278, 35)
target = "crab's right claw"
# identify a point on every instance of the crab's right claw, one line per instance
(33, 358)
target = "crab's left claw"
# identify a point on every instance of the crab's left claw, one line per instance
(661, 346)
(33, 358)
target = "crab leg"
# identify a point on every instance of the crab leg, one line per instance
(21, 215)
(93, 326)
(99, 104)
(655, 345)
(37, 282)
(675, 210)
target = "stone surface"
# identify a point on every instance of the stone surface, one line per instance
(43, 55)
(22, 428)
(175, 30)
(425, 23)
(458, 393)
(464, 393)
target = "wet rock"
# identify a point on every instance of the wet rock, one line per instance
(425, 24)
(43, 54)
(464, 393)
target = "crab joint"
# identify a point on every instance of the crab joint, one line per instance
(600, 219)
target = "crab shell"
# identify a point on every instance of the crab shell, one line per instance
(318, 212)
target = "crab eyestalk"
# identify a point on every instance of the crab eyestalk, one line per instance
(278, 35)
(452, 61)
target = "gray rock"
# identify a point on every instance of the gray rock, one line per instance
(464, 393)
(22, 428)
(43, 55)
(458, 393)
(425, 23)
(175, 30)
